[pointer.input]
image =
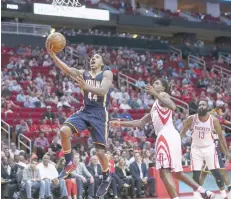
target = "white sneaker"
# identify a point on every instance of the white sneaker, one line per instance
(197, 195)
(208, 195)
(229, 195)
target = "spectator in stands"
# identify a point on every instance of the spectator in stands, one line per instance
(22, 127)
(83, 178)
(45, 128)
(50, 174)
(125, 115)
(70, 182)
(33, 128)
(41, 144)
(146, 157)
(175, 92)
(193, 106)
(55, 146)
(20, 160)
(186, 156)
(95, 169)
(11, 65)
(28, 103)
(32, 180)
(48, 114)
(9, 170)
(21, 97)
(84, 157)
(140, 83)
(15, 87)
(116, 94)
(135, 102)
(140, 174)
(139, 132)
(56, 126)
(13, 150)
(123, 172)
(124, 105)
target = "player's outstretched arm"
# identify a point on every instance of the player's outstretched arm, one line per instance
(163, 97)
(103, 89)
(187, 126)
(134, 123)
(72, 72)
(218, 129)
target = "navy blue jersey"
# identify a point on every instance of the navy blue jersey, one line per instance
(92, 100)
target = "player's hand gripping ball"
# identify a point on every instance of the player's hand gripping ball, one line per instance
(56, 41)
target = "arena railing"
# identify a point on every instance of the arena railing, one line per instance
(225, 59)
(28, 144)
(131, 81)
(176, 51)
(5, 127)
(227, 127)
(25, 29)
(196, 60)
(221, 70)
(71, 51)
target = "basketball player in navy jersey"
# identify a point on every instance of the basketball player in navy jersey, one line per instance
(95, 85)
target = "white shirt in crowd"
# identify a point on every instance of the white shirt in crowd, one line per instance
(48, 172)
(140, 168)
(159, 64)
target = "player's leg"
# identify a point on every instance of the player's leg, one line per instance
(212, 162)
(72, 125)
(99, 135)
(224, 173)
(196, 164)
(203, 175)
(226, 178)
(166, 177)
(168, 153)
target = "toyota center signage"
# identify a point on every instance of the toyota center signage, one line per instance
(72, 12)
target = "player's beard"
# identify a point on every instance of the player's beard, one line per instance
(202, 112)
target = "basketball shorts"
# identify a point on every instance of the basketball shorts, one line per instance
(95, 120)
(208, 154)
(168, 150)
(220, 160)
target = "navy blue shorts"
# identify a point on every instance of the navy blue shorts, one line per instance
(96, 120)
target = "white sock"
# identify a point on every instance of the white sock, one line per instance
(200, 190)
(176, 198)
(196, 194)
(223, 193)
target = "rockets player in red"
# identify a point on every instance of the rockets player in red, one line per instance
(168, 142)
(205, 131)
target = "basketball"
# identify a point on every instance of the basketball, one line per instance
(57, 40)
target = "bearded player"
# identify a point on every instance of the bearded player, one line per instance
(168, 142)
(203, 148)
(95, 85)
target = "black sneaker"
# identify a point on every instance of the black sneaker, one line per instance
(103, 187)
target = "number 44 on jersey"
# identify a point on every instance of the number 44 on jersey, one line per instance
(92, 96)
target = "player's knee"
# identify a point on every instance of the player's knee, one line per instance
(217, 175)
(65, 132)
(163, 174)
(100, 150)
(196, 176)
